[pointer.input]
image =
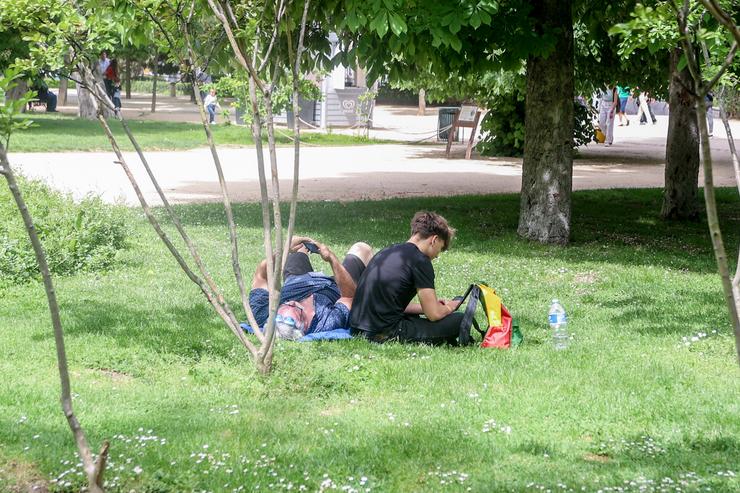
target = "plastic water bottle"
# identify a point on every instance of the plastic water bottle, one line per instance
(559, 325)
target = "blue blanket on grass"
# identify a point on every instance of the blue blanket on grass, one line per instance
(328, 335)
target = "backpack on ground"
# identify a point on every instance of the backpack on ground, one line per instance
(502, 331)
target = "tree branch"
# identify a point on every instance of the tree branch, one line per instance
(723, 68)
(278, 15)
(240, 56)
(224, 189)
(214, 299)
(66, 393)
(722, 17)
(296, 66)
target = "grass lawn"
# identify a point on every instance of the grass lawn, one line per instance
(644, 399)
(59, 132)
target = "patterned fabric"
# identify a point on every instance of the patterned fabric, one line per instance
(329, 314)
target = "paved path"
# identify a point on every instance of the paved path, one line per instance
(365, 172)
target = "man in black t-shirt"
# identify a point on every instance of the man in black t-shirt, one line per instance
(382, 307)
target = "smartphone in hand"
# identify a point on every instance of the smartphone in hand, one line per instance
(311, 247)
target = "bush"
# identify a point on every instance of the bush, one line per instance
(163, 87)
(583, 129)
(503, 126)
(84, 236)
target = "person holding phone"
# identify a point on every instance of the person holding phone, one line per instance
(311, 301)
(382, 309)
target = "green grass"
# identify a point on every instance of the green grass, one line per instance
(58, 132)
(627, 406)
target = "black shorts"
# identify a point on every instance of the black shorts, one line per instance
(413, 328)
(298, 264)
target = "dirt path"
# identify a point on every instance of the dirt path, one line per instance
(363, 172)
(338, 173)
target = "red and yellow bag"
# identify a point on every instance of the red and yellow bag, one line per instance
(502, 331)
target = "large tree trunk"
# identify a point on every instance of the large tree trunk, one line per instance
(680, 199)
(64, 82)
(547, 174)
(86, 108)
(17, 91)
(62, 96)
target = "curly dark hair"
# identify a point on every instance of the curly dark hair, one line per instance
(426, 224)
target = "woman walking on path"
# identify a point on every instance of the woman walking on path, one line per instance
(607, 108)
(624, 94)
(111, 78)
(644, 111)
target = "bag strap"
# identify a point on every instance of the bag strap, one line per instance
(469, 316)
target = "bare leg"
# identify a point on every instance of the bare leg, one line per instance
(361, 250)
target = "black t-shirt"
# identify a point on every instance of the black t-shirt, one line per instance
(388, 285)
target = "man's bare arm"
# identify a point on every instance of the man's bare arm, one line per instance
(431, 305)
(344, 281)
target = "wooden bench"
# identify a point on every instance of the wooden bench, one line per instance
(35, 103)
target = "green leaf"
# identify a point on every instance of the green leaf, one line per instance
(411, 48)
(485, 17)
(398, 25)
(456, 43)
(352, 21)
(475, 20)
(455, 26)
(380, 24)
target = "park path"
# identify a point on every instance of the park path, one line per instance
(636, 160)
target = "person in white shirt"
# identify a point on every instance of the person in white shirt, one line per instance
(211, 104)
(103, 63)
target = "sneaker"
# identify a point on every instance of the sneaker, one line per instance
(628, 123)
(608, 144)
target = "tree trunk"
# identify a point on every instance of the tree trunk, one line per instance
(64, 82)
(17, 91)
(547, 175)
(91, 471)
(680, 195)
(154, 84)
(86, 107)
(62, 96)
(422, 103)
(127, 75)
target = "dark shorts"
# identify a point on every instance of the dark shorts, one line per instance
(623, 105)
(298, 264)
(413, 328)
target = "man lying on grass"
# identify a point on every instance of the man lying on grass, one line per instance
(382, 307)
(311, 301)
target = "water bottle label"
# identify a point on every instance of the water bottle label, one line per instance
(557, 318)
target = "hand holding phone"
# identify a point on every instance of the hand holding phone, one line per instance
(311, 247)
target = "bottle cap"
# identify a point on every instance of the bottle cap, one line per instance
(555, 300)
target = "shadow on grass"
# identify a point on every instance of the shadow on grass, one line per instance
(189, 331)
(609, 226)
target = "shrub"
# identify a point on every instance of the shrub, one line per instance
(77, 236)
(503, 126)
